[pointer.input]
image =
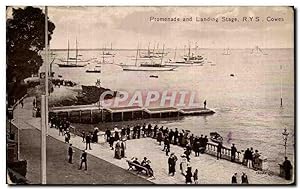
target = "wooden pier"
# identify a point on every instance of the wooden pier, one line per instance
(96, 114)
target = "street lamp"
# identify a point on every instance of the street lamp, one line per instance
(285, 135)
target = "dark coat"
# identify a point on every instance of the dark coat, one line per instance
(70, 151)
(84, 157)
(233, 179)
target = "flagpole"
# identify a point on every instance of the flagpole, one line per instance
(44, 108)
(281, 86)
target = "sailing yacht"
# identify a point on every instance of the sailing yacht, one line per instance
(257, 51)
(188, 60)
(149, 64)
(106, 53)
(72, 61)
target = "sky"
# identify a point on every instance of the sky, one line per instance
(128, 27)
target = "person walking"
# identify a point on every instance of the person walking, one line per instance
(219, 148)
(67, 137)
(118, 150)
(70, 154)
(88, 142)
(233, 152)
(248, 158)
(83, 159)
(123, 148)
(195, 176)
(128, 132)
(188, 175)
(176, 133)
(107, 134)
(159, 137)
(83, 136)
(256, 156)
(172, 164)
(244, 178)
(183, 164)
(111, 142)
(167, 145)
(234, 178)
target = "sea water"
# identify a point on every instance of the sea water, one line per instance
(247, 105)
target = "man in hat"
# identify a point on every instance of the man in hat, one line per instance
(107, 134)
(88, 139)
(70, 153)
(83, 160)
(172, 164)
(244, 178)
(233, 152)
(234, 178)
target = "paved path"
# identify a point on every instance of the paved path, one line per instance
(59, 171)
(211, 171)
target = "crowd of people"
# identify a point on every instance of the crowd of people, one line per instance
(117, 141)
(251, 158)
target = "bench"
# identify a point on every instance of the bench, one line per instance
(137, 167)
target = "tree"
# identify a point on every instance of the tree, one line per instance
(25, 38)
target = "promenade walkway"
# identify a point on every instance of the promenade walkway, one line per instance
(59, 171)
(211, 170)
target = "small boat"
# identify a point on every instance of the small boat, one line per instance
(147, 68)
(232, 75)
(95, 70)
(59, 76)
(216, 137)
(226, 52)
(153, 76)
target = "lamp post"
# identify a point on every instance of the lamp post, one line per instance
(285, 135)
(98, 84)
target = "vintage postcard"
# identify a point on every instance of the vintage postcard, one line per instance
(150, 95)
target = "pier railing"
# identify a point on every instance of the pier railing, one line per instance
(211, 148)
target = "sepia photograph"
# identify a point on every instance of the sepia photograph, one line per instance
(150, 95)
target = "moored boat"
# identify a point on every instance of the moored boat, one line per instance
(216, 137)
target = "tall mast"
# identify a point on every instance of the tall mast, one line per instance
(76, 51)
(280, 85)
(162, 55)
(136, 57)
(68, 54)
(189, 53)
(175, 54)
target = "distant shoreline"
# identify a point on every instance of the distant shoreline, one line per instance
(168, 49)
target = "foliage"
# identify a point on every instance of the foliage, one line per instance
(25, 38)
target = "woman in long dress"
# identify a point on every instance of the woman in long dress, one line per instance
(188, 175)
(123, 147)
(118, 150)
(183, 164)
